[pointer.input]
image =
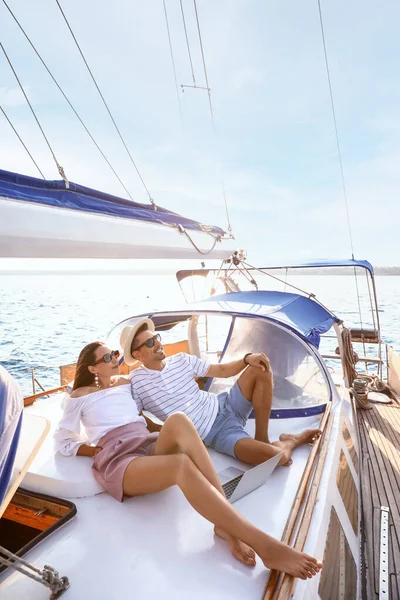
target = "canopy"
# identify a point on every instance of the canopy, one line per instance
(180, 275)
(347, 262)
(301, 315)
(80, 198)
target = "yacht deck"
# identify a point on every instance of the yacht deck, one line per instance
(151, 543)
(379, 430)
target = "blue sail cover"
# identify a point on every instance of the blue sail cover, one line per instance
(11, 405)
(78, 197)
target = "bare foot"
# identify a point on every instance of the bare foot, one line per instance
(240, 550)
(306, 437)
(289, 441)
(283, 558)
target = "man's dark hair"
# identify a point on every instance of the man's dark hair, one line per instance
(142, 328)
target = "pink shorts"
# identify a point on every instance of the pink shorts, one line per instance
(120, 446)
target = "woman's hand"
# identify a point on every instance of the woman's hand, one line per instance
(85, 450)
(151, 425)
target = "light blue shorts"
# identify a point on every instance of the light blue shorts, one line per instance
(228, 428)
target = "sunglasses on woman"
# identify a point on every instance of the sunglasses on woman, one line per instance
(150, 342)
(107, 358)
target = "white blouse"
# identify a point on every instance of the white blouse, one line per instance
(99, 413)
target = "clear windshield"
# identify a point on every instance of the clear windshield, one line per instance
(298, 377)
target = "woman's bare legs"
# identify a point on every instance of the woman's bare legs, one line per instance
(179, 436)
(153, 474)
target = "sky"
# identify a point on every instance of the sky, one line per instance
(274, 149)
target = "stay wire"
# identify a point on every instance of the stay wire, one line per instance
(204, 65)
(59, 167)
(370, 300)
(21, 140)
(105, 103)
(187, 43)
(67, 99)
(336, 128)
(359, 307)
(211, 109)
(173, 63)
(340, 158)
(286, 283)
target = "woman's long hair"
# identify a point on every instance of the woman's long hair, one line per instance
(87, 357)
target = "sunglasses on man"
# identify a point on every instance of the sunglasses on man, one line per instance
(107, 358)
(150, 342)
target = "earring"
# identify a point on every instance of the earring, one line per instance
(96, 380)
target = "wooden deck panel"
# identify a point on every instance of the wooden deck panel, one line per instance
(380, 484)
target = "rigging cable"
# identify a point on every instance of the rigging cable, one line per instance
(173, 63)
(67, 99)
(196, 86)
(59, 167)
(211, 111)
(106, 105)
(22, 141)
(359, 311)
(339, 152)
(370, 302)
(187, 43)
(217, 238)
(336, 128)
(310, 295)
(204, 64)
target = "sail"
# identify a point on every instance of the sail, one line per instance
(42, 219)
(81, 198)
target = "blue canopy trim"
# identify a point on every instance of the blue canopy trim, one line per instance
(326, 263)
(81, 198)
(294, 413)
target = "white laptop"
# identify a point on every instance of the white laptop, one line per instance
(236, 483)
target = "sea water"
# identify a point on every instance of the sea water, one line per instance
(45, 320)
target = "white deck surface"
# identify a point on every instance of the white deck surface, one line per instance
(33, 433)
(153, 546)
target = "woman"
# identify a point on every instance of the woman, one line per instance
(131, 461)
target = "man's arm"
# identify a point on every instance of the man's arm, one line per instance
(235, 367)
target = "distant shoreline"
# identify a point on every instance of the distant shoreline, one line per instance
(90, 272)
(386, 271)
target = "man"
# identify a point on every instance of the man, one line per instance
(164, 386)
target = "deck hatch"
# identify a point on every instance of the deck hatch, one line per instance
(29, 518)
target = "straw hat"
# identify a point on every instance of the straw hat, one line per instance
(127, 335)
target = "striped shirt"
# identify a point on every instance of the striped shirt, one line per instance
(173, 389)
